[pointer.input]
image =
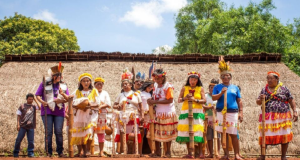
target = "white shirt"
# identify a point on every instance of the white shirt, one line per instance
(103, 97)
(133, 103)
(145, 96)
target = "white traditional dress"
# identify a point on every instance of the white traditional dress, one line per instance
(102, 98)
(132, 100)
(165, 117)
(84, 121)
(145, 96)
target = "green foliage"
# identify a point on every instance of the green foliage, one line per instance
(209, 26)
(6, 154)
(24, 35)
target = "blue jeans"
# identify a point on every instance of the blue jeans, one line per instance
(30, 139)
(57, 122)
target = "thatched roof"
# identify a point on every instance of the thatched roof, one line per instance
(118, 56)
(19, 78)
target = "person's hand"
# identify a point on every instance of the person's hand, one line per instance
(61, 91)
(18, 127)
(67, 116)
(150, 101)
(262, 96)
(223, 90)
(295, 116)
(117, 107)
(45, 104)
(241, 116)
(191, 98)
(142, 120)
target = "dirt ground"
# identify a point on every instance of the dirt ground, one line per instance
(143, 158)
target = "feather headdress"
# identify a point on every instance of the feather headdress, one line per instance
(126, 75)
(274, 73)
(56, 69)
(223, 66)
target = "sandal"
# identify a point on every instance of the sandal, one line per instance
(188, 156)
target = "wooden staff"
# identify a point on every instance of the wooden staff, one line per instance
(263, 140)
(136, 135)
(93, 144)
(124, 125)
(152, 128)
(113, 152)
(45, 112)
(114, 134)
(71, 120)
(204, 134)
(215, 136)
(191, 125)
(224, 120)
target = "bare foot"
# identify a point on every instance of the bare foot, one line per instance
(238, 158)
(224, 158)
(209, 156)
(202, 156)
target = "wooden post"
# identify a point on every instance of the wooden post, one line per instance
(113, 152)
(71, 120)
(152, 128)
(191, 125)
(45, 111)
(263, 140)
(224, 120)
(124, 134)
(216, 152)
(136, 135)
(204, 134)
(93, 145)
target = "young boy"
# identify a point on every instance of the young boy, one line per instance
(26, 123)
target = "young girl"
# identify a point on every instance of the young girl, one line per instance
(192, 91)
(210, 108)
(146, 93)
(103, 100)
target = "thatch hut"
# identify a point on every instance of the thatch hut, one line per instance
(22, 74)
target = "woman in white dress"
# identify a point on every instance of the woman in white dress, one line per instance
(103, 100)
(85, 119)
(133, 103)
(146, 93)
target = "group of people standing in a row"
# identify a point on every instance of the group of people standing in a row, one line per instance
(90, 102)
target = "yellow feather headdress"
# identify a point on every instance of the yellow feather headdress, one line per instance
(223, 66)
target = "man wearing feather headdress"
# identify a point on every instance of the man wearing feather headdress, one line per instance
(48, 94)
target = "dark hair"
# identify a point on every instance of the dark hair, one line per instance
(97, 82)
(52, 80)
(81, 87)
(29, 95)
(214, 81)
(239, 88)
(145, 86)
(199, 83)
(130, 82)
(276, 77)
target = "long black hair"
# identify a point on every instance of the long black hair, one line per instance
(199, 83)
(80, 87)
(146, 85)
